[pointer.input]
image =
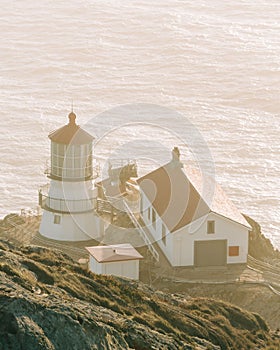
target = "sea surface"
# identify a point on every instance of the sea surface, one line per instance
(214, 63)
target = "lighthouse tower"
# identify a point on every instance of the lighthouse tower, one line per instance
(69, 201)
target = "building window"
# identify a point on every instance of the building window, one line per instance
(57, 219)
(163, 231)
(154, 217)
(149, 213)
(233, 251)
(210, 227)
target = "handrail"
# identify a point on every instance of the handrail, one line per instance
(119, 162)
(142, 233)
(109, 205)
(66, 205)
(93, 174)
(94, 171)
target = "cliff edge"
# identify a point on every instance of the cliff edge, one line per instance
(260, 247)
(48, 302)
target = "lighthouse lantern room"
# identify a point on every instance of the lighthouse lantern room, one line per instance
(69, 201)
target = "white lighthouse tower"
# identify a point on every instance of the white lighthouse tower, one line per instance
(69, 202)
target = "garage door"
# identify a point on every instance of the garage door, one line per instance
(210, 253)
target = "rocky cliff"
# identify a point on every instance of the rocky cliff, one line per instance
(49, 302)
(260, 247)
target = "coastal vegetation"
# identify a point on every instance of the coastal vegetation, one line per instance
(47, 301)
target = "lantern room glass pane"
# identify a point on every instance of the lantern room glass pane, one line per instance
(71, 161)
(77, 151)
(60, 150)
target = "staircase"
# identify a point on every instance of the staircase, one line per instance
(141, 232)
(104, 206)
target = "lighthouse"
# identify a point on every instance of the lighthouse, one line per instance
(69, 200)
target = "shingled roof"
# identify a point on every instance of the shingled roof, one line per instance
(179, 195)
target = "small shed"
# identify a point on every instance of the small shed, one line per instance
(120, 260)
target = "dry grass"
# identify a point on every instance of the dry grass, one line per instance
(221, 323)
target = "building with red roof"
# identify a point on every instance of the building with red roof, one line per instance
(191, 218)
(120, 260)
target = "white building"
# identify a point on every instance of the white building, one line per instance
(193, 222)
(69, 202)
(120, 260)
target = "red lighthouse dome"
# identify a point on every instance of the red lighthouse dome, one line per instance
(71, 133)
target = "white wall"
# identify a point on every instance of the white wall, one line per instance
(72, 190)
(179, 248)
(234, 233)
(72, 227)
(156, 230)
(75, 226)
(94, 266)
(127, 269)
(71, 196)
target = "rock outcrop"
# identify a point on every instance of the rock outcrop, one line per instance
(260, 247)
(48, 302)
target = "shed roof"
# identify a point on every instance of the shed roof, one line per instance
(71, 133)
(113, 253)
(180, 195)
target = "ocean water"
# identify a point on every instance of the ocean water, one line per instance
(216, 63)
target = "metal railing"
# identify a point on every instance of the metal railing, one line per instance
(66, 205)
(113, 206)
(141, 231)
(72, 174)
(109, 205)
(103, 206)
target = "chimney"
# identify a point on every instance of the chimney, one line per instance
(176, 157)
(176, 154)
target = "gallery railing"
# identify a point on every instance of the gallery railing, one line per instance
(66, 205)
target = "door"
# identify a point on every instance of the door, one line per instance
(210, 253)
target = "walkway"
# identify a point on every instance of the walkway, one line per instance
(256, 271)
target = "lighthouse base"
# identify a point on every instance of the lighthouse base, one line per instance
(71, 227)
